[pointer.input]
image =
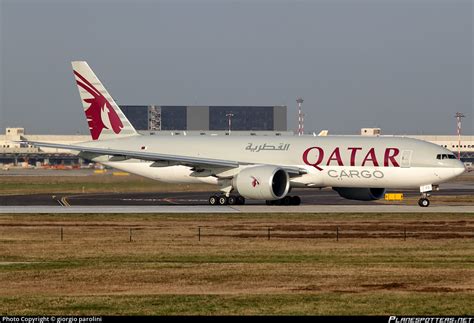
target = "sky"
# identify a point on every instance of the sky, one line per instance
(405, 66)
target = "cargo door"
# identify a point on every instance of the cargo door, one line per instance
(406, 158)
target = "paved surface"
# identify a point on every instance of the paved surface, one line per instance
(118, 209)
(238, 209)
(314, 201)
(308, 197)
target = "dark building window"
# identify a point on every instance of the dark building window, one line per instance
(173, 118)
(245, 118)
(137, 115)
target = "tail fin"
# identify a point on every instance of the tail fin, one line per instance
(103, 115)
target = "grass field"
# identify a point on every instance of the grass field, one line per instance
(234, 268)
(94, 183)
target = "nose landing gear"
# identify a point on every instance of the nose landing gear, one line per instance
(423, 201)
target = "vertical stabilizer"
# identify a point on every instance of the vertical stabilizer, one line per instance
(105, 119)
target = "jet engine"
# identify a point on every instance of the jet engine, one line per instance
(360, 194)
(262, 182)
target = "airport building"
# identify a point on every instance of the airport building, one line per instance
(206, 118)
(463, 144)
(14, 152)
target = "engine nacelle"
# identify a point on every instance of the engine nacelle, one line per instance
(262, 182)
(360, 194)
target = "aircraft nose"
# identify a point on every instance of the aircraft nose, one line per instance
(460, 168)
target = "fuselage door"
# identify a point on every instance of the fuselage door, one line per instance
(406, 158)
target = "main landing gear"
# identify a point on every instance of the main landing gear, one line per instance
(287, 200)
(224, 200)
(240, 200)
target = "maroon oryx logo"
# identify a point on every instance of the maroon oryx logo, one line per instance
(100, 113)
(255, 181)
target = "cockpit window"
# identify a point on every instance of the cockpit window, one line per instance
(445, 156)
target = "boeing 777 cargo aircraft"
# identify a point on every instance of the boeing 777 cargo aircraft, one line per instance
(259, 167)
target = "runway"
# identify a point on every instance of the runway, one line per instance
(235, 209)
(313, 201)
(308, 197)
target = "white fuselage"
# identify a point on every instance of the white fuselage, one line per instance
(332, 161)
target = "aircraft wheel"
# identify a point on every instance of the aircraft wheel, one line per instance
(222, 200)
(240, 200)
(213, 200)
(423, 202)
(232, 200)
(286, 200)
(295, 200)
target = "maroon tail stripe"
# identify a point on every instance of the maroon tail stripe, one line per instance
(87, 82)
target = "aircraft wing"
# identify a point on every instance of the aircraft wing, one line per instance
(190, 161)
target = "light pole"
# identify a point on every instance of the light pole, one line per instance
(229, 116)
(300, 117)
(459, 116)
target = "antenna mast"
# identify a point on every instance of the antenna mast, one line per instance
(300, 117)
(459, 116)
